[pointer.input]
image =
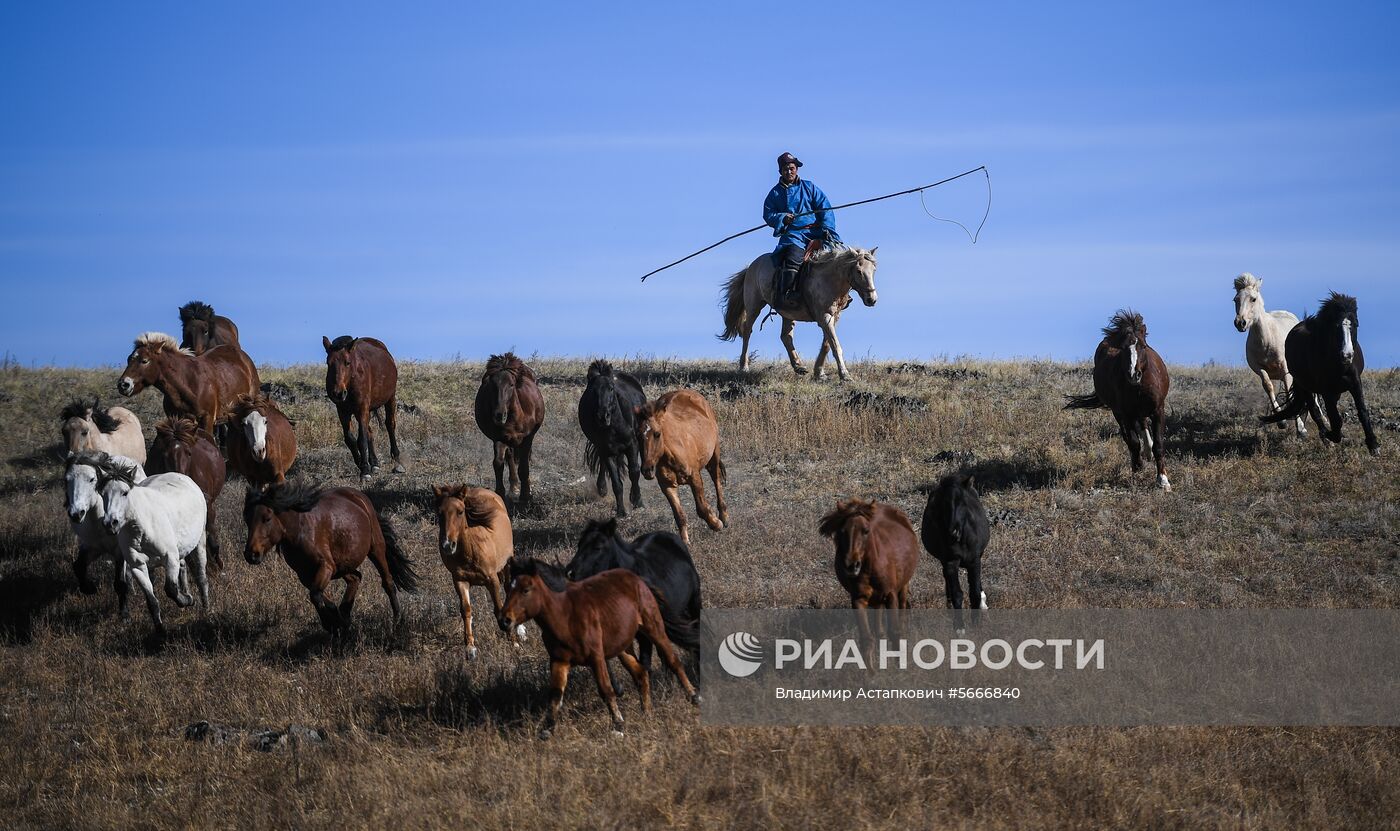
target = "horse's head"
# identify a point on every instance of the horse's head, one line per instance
(196, 327)
(1249, 303)
(265, 530)
(1127, 333)
(863, 275)
(144, 365)
(1337, 320)
(501, 375)
(452, 516)
(116, 497)
(849, 526)
(649, 440)
(81, 493)
(531, 583)
(78, 426)
(254, 426)
(955, 495)
(340, 366)
(595, 545)
(604, 387)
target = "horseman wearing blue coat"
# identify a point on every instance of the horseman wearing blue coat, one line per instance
(802, 220)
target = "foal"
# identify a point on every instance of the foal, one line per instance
(586, 623)
(475, 541)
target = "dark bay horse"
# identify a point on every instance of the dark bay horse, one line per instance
(955, 531)
(1325, 358)
(679, 438)
(203, 387)
(1131, 380)
(361, 377)
(510, 410)
(262, 444)
(327, 535)
(181, 447)
(585, 624)
(607, 415)
(876, 555)
(201, 329)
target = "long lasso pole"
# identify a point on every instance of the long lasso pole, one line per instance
(805, 213)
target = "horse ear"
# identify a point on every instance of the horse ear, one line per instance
(326, 342)
(873, 250)
(438, 491)
(970, 480)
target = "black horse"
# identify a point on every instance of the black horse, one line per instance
(663, 562)
(1325, 358)
(606, 414)
(955, 532)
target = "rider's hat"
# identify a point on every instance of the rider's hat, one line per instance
(788, 157)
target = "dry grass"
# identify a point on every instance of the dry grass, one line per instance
(91, 715)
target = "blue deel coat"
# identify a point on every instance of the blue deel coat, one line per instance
(800, 197)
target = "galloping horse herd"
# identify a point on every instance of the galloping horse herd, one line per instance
(616, 598)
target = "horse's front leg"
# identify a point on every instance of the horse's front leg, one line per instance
(1299, 424)
(121, 582)
(175, 580)
(1334, 415)
(634, 472)
(614, 471)
(1364, 416)
(599, 665)
(668, 489)
(828, 326)
(1158, 450)
(702, 506)
(86, 554)
(1129, 431)
(367, 451)
(140, 572)
(317, 585)
(199, 564)
(558, 681)
(793, 357)
(350, 440)
(498, 464)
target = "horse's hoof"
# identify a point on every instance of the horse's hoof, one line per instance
(617, 732)
(845, 376)
(545, 733)
(184, 601)
(364, 477)
(471, 653)
(399, 468)
(1163, 483)
(800, 370)
(1376, 452)
(695, 699)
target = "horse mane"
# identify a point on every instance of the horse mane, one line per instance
(598, 367)
(343, 342)
(293, 496)
(1125, 322)
(1247, 281)
(1335, 307)
(181, 429)
(106, 465)
(529, 566)
(836, 252)
(75, 410)
(248, 403)
(479, 507)
(196, 310)
(511, 364)
(844, 512)
(160, 341)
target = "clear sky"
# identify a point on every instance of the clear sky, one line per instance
(465, 178)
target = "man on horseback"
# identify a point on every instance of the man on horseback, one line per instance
(801, 217)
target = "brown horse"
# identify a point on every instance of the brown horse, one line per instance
(262, 444)
(679, 437)
(326, 535)
(876, 554)
(585, 624)
(204, 388)
(510, 410)
(361, 377)
(474, 539)
(201, 329)
(1131, 380)
(181, 447)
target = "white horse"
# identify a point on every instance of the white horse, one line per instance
(161, 517)
(1263, 347)
(114, 430)
(84, 477)
(824, 293)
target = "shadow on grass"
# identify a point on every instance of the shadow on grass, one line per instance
(23, 599)
(506, 700)
(1209, 436)
(1004, 474)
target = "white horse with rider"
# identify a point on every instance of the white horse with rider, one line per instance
(1263, 346)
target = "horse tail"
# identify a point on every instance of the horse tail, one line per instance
(1292, 407)
(733, 305)
(400, 567)
(681, 632)
(1083, 402)
(590, 455)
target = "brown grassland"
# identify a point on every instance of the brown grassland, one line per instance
(92, 715)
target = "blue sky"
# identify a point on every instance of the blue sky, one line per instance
(461, 179)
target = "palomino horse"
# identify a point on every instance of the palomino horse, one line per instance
(475, 541)
(585, 624)
(1263, 346)
(203, 388)
(1131, 380)
(679, 437)
(876, 554)
(84, 477)
(327, 535)
(510, 410)
(201, 329)
(1326, 360)
(955, 531)
(114, 430)
(181, 447)
(361, 377)
(825, 293)
(261, 444)
(606, 414)
(162, 518)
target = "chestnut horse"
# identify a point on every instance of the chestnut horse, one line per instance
(474, 539)
(201, 329)
(679, 437)
(876, 554)
(510, 410)
(585, 624)
(326, 535)
(203, 387)
(1131, 380)
(361, 377)
(181, 447)
(114, 430)
(262, 444)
